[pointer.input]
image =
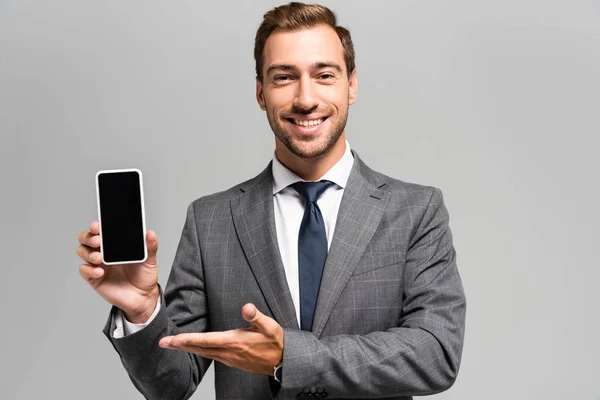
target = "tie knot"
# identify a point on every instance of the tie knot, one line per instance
(311, 191)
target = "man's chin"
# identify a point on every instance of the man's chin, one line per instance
(308, 147)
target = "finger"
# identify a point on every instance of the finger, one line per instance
(220, 355)
(206, 353)
(252, 314)
(89, 272)
(165, 342)
(210, 352)
(88, 255)
(95, 227)
(225, 339)
(214, 354)
(152, 245)
(89, 239)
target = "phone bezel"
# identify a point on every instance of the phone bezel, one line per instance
(141, 181)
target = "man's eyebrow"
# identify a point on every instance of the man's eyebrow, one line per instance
(327, 64)
(316, 65)
(282, 67)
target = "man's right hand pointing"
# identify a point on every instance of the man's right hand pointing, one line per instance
(131, 287)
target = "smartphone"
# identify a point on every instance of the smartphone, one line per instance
(120, 196)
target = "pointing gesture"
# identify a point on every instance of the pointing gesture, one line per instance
(257, 349)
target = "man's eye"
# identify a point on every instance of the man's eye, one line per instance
(327, 77)
(282, 78)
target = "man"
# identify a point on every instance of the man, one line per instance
(319, 277)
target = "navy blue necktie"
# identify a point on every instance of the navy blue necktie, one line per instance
(312, 249)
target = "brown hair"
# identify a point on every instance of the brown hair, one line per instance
(296, 16)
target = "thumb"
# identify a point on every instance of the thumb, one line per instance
(251, 314)
(152, 245)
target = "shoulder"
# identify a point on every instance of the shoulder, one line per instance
(424, 204)
(400, 190)
(222, 199)
(413, 193)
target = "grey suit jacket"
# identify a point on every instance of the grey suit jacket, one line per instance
(390, 315)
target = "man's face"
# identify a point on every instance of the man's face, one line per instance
(305, 90)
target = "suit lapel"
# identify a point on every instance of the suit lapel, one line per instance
(254, 222)
(360, 213)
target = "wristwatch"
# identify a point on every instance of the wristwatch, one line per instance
(277, 372)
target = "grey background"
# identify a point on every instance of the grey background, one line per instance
(495, 102)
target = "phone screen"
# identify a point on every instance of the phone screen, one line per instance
(120, 205)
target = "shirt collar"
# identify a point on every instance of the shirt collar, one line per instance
(338, 174)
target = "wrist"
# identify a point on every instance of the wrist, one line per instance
(143, 315)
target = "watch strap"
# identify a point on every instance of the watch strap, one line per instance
(277, 372)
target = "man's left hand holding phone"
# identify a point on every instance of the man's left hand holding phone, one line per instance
(119, 254)
(120, 265)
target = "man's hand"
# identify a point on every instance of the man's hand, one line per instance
(131, 287)
(257, 349)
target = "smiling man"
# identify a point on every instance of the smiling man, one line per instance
(306, 89)
(317, 278)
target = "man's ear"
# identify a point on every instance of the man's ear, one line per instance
(260, 95)
(352, 87)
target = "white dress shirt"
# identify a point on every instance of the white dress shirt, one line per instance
(289, 210)
(288, 207)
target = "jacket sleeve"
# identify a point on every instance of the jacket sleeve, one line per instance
(162, 373)
(420, 356)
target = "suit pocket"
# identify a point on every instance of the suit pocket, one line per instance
(372, 299)
(374, 261)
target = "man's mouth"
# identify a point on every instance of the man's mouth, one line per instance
(306, 122)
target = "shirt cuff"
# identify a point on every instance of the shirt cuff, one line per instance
(124, 327)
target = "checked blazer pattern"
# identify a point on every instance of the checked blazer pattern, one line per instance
(390, 314)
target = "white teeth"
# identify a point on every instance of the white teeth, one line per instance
(308, 123)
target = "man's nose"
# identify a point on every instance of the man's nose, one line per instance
(306, 98)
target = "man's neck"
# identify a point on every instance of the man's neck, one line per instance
(311, 169)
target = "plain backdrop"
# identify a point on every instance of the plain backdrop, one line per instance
(495, 102)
